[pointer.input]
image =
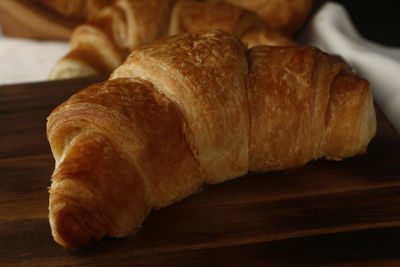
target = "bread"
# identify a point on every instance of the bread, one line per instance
(76, 9)
(47, 19)
(305, 105)
(28, 19)
(102, 44)
(283, 16)
(98, 46)
(193, 109)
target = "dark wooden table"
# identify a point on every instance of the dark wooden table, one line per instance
(326, 213)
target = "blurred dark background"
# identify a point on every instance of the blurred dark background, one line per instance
(378, 21)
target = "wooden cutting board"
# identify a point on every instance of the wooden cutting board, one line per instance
(338, 213)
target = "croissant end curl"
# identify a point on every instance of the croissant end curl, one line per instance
(194, 109)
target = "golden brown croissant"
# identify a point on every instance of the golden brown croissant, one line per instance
(194, 109)
(102, 44)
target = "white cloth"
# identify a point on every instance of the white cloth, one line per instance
(332, 31)
(25, 60)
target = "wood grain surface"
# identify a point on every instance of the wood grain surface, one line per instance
(326, 213)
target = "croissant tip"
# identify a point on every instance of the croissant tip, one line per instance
(70, 227)
(67, 231)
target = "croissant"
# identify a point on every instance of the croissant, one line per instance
(102, 44)
(29, 19)
(193, 109)
(81, 10)
(283, 16)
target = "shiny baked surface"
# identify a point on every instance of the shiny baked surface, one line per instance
(194, 109)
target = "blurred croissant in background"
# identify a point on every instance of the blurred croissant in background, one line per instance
(284, 16)
(78, 9)
(47, 19)
(102, 33)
